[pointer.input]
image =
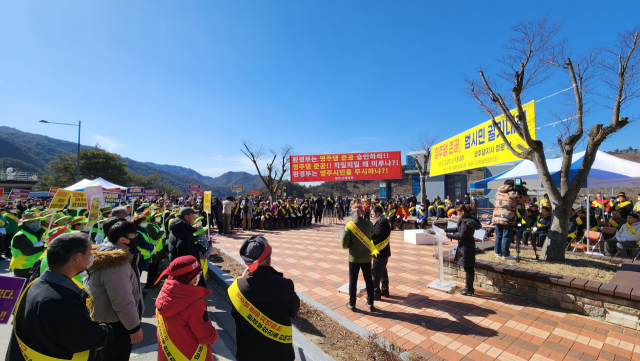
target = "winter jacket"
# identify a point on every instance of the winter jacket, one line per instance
(319, 204)
(114, 282)
(463, 232)
(358, 252)
(543, 224)
(623, 207)
(505, 205)
(181, 241)
(275, 297)
(624, 232)
(186, 318)
(382, 230)
(227, 207)
(54, 320)
(217, 210)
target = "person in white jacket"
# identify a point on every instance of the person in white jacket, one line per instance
(628, 236)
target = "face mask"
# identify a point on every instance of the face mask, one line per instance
(143, 224)
(90, 260)
(133, 242)
(40, 207)
(197, 225)
(127, 218)
(33, 226)
(158, 219)
(14, 211)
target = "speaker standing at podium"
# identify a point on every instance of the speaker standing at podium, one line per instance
(466, 251)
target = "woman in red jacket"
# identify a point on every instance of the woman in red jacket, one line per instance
(182, 317)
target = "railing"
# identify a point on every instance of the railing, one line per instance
(19, 176)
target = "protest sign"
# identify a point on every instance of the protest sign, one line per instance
(19, 195)
(52, 191)
(94, 211)
(1, 193)
(151, 193)
(238, 189)
(279, 191)
(206, 202)
(480, 146)
(346, 166)
(78, 200)
(112, 199)
(94, 192)
(135, 193)
(255, 192)
(193, 188)
(112, 190)
(60, 199)
(308, 195)
(10, 288)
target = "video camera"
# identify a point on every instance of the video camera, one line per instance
(519, 187)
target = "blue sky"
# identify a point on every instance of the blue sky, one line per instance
(184, 82)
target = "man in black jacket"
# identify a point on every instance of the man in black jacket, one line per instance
(319, 202)
(268, 293)
(381, 240)
(52, 316)
(216, 212)
(181, 240)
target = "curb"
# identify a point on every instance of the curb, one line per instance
(304, 349)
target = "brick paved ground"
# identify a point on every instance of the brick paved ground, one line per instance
(434, 324)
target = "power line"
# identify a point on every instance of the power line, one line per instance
(549, 96)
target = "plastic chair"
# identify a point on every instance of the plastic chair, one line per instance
(593, 237)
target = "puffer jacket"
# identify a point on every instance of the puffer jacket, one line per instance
(463, 232)
(181, 241)
(505, 204)
(186, 318)
(114, 282)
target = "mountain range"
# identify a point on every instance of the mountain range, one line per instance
(30, 152)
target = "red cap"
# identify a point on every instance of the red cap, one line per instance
(182, 269)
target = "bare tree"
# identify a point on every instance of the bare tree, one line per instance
(275, 164)
(423, 145)
(532, 54)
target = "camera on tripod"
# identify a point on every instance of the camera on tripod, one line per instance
(519, 187)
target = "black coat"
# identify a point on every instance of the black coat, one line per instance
(53, 320)
(319, 204)
(466, 252)
(275, 297)
(182, 242)
(216, 210)
(382, 231)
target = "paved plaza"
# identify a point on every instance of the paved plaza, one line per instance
(486, 326)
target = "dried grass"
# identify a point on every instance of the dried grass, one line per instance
(573, 266)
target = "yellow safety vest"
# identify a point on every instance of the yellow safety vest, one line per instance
(145, 253)
(170, 350)
(33, 355)
(266, 326)
(19, 260)
(158, 242)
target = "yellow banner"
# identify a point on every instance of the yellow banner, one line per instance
(480, 146)
(78, 200)
(308, 195)
(94, 211)
(60, 199)
(206, 202)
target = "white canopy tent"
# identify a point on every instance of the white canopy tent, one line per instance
(105, 184)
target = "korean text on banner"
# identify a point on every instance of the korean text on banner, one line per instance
(78, 200)
(112, 190)
(94, 192)
(193, 188)
(112, 199)
(239, 189)
(151, 193)
(308, 195)
(206, 202)
(255, 192)
(10, 288)
(480, 146)
(134, 193)
(346, 167)
(60, 199)
(19, 194)
(94, 211)
(52, 191)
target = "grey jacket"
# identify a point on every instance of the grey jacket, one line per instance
(114, 283)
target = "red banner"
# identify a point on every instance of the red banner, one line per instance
(346, 167)
(52, 191)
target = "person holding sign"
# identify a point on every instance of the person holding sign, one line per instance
(263, 304)
(183, 321)
(52, 319)
(357, 239)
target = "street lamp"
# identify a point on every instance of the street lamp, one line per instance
(78, 156)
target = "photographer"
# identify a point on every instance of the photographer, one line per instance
(504, 215)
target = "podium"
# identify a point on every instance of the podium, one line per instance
(439, 283)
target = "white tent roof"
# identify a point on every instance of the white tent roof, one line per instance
(607, 171)
(105, 184)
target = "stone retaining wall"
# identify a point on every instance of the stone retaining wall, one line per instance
(604, 301)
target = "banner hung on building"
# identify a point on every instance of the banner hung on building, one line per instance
(480, 146)
(346, 167)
